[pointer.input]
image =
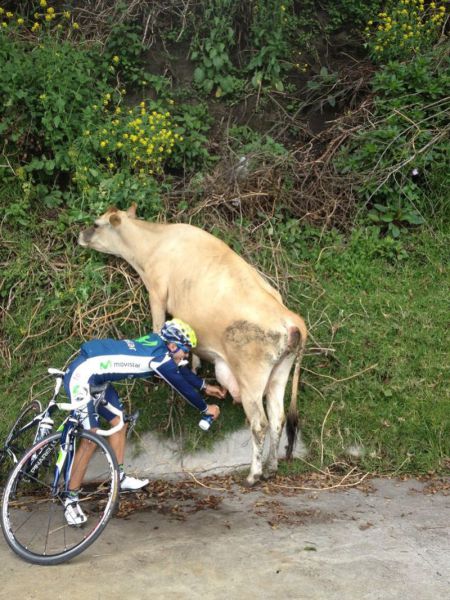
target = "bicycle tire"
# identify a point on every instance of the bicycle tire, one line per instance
(32, 517)
(25, 440)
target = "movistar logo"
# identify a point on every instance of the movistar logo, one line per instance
(133, 365)
(145, 341)
(105, 365)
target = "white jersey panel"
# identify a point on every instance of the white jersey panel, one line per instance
(108, 364)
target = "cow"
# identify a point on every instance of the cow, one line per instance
(241, 323)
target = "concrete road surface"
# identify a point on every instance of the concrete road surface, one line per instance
(389, 541)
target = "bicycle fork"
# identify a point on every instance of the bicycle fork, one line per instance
(66, 455)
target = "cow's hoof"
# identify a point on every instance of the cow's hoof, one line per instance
(251, 481)
(270, 470)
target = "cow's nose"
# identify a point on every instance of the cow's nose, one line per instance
(85, 236)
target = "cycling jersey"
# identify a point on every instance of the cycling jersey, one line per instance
(107, 360)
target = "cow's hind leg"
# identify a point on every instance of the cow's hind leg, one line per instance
(275, 410)
(251, 396)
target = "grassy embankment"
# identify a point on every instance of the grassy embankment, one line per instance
(380, 396)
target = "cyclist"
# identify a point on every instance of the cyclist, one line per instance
(103, 361)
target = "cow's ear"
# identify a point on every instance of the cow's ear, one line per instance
(131, 212)
(114, 219)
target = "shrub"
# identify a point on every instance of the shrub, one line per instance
(401, 156)
(405, 28)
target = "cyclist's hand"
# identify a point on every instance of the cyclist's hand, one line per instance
(213, 410)
(215, 390)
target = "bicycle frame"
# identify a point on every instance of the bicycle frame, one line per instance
(67, 450)
(68, 426)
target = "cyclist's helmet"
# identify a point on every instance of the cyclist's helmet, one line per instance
(179, 332)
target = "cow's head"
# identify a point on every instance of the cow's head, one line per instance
(104, 236)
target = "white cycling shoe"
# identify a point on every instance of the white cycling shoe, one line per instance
(132, 484)
(73, 513)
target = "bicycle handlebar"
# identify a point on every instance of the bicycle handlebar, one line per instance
(83, 400)
(118, 427)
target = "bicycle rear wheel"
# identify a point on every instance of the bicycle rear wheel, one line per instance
(17, 446)
(32, 517)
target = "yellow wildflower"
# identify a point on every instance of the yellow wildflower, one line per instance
(76, 26)
(115, 59)
(43, 3)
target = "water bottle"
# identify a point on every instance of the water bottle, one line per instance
(205, 422)
(45, 428)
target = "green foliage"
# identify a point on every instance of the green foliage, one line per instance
(345, 12)
(245, 140)
(211, 49)
(269, 31)
(123, 51)
(392, 217)
(70, 139)
(45, 104)
(403, 155)
(193, 122)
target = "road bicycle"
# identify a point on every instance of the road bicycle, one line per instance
(32, 512)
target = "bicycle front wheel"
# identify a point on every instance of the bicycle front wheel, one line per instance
(32, 516)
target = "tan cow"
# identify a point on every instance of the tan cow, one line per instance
(241, 322)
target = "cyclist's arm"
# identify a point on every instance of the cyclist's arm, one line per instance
(194, 380)
(167, 369)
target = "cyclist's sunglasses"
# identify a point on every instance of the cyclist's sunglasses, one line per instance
(184, 348)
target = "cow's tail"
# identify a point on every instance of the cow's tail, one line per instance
(292, 416)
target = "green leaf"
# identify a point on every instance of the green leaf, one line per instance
(218, 61)
(199, 75)
(394, 230)
(257, 79)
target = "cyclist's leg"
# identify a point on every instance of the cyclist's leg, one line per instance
(85, 449)
(76, 378)
(118, 440)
